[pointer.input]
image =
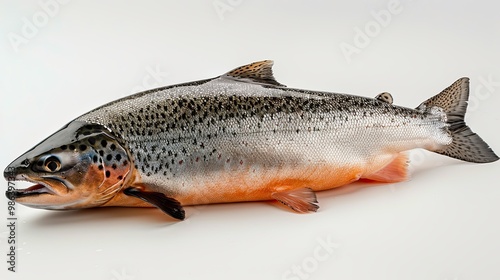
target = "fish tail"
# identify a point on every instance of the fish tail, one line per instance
(466, 145)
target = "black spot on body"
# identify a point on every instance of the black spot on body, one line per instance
(108, 173)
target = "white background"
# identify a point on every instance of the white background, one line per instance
(443, 224)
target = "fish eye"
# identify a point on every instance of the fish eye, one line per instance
(52, 164)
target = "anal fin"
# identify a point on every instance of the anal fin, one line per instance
(395, 171)
(301, 200)
(169, 205)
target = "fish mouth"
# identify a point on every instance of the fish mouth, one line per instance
(35, 190)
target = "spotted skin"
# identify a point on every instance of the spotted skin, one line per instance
(243, 136)
(207, 132)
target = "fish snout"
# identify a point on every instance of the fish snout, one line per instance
(15, 170)
(11, 174)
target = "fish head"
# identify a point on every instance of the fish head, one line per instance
(80, 166)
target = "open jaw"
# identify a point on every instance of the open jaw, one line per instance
(34, 190)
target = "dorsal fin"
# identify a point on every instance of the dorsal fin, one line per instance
(385, 97)
(260, 72)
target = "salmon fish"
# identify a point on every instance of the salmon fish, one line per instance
(241, 136)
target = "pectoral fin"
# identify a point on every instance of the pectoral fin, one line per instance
(301, 200)
(166, 204)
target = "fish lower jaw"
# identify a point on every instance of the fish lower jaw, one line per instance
(37, 189)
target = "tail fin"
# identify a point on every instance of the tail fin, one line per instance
(466, 145)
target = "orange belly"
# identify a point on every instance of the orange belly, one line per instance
(255, 184)
(247, 185)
